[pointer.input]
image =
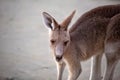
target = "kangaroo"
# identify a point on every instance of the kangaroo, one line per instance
(95, 33)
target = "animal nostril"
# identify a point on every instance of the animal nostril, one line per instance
(58, 58)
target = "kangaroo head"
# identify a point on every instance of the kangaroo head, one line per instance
(59, 34)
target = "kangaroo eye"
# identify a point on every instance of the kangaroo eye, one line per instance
(65, 43)
(52, 41)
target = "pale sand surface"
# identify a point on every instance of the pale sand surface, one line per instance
(24, 50)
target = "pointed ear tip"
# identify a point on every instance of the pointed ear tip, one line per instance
(44, 13)
(74, 11)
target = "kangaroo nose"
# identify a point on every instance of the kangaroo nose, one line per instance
(58, 58)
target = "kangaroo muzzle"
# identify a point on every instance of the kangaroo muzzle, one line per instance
(59, 52)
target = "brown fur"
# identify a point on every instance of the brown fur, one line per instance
(113, 32)
(102, 11)
(94, 33)
(95, 23)
(96, 28)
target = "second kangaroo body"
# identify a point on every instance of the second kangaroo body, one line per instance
(94, 33)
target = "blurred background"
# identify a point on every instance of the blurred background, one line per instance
(24, 49)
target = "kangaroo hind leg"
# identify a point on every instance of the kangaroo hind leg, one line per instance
(96, 67)
(112, 56)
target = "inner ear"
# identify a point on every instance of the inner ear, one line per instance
(49, 21)
(55, 24)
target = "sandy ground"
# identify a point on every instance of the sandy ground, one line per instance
(24, 50)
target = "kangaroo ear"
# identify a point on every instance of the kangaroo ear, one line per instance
(67, 21)
(50, 22)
